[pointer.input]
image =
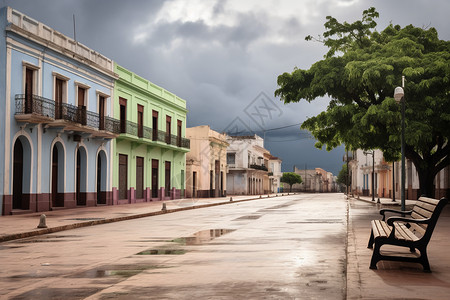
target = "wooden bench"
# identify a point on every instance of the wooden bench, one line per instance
(413, 232)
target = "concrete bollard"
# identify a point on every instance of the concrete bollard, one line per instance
(164, 208)
(42, 222)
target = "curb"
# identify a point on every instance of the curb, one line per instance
(22, 235)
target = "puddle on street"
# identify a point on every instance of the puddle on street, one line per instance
(124, 271)
(58, 293)
(202, 237)
(86, 219)
(162, 252)
(315, 221)
(45, 239)
(198, 238)
(250, 217)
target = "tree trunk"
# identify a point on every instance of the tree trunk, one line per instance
(426, 181)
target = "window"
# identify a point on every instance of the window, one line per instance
(82, 103)
(168, 129)
(102, 109)
(155, 176)
(167, 178)
(155, 125)
(123, 115)
(29, 90)
(101, 112)
(30, 75)
(231, 158)
(179, 126)
(140, 121)
(60, 93)
(139, 177)
(123, 180)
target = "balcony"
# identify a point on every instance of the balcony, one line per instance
(131, 131)
(39, 110)
(259, 167)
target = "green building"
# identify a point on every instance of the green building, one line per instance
(149, 155)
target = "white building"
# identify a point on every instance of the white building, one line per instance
(274, 174)
(247, 167)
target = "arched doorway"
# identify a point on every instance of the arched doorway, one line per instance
(81, 176)
(18, 176)
(101, 177)
(21, 174)
(57, 189)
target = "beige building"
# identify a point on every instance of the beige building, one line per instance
(206, 163)
(315, 181)
(387, 177)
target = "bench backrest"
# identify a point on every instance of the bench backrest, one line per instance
(427, 208)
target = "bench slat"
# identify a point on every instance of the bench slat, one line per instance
(380, 228)
(432, 201)
(403, 233)
(424, 214)
(420, 228)
(427, 206)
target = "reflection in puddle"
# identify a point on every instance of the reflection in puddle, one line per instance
(198, 238)
(124, 271)
(202, 237)
(250, 217)
(162, 252)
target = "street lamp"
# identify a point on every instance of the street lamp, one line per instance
(373, 173)
(399, 96)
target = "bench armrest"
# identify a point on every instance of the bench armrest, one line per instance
(390, 221)
(400, 212)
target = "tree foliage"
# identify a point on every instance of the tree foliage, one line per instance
(342, 176)
(360, 72)
(291, 178)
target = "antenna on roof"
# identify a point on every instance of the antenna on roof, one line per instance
(74, 29)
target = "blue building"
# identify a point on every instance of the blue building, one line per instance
(56, 130)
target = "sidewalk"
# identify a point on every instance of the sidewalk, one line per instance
(394, 280)
(21, 226)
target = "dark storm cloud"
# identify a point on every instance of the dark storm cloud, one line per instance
(220, 63)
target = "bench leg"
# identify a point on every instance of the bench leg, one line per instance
(424, 260)
(370, 246)
(375, 257)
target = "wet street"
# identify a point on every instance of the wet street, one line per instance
(291, 247)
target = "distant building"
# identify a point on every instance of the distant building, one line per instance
(206, 163)
(248, 172)
(56, 115)
(315, 181)
(387, 177)
(274, 168)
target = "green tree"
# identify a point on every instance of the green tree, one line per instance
(360, 72)
(291, 178)
(342, 176)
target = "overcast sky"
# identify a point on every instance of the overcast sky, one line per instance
(223, 57)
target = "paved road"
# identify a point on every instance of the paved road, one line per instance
(277, 248)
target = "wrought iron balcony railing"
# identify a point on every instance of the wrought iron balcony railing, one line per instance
(259, 167)
(133, 129)
(39, 106)
(35, 105)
